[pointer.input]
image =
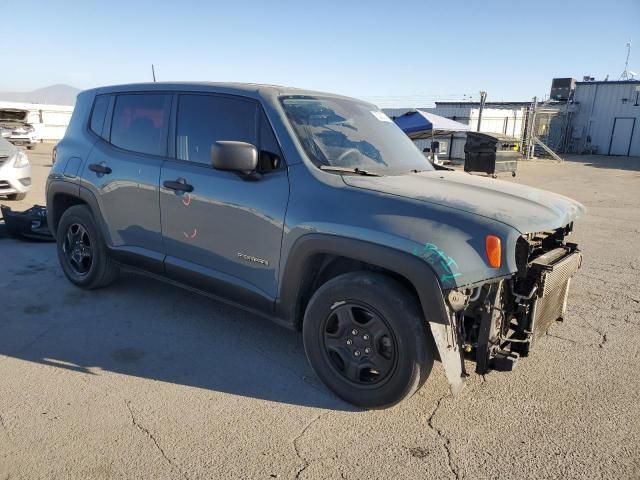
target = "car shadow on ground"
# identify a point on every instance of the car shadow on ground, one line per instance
(607, 162)
(145, 328)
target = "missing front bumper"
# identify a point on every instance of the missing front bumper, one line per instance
(554, 279)
(512, 313)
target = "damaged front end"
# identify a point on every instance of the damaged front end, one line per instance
(15, 128)
(499, 321)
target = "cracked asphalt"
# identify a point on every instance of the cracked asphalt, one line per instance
(142, 380)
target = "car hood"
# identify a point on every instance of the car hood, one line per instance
(7, 149)
(526, 209)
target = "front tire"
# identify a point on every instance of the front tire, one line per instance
(81, 250)
(366, 339)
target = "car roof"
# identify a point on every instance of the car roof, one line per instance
(253, 90)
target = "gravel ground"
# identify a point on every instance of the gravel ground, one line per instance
(142, 380)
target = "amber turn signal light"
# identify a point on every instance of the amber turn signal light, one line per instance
(493, 250)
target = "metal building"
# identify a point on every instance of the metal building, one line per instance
(605, 118)
(507, 118)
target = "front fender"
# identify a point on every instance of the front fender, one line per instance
(418, 272)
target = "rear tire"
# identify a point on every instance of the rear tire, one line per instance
(82, 251)
(17, 196)
(366, 339)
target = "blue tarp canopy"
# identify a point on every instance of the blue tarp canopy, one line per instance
(419, 123)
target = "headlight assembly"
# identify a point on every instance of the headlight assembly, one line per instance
(21, 160)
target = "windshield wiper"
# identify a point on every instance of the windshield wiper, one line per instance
(340, 124)
(357, 171)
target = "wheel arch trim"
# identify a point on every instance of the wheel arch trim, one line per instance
(79, 192)
(414, 269)
(54, 188)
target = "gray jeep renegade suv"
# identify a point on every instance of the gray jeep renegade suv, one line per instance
(316, 211)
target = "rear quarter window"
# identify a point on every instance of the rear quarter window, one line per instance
(100, 106)
(140, 123)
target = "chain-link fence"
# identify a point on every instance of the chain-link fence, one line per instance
(545, 131)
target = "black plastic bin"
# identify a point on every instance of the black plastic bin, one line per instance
(491, 153)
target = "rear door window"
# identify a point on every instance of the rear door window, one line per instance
(203, 120)
(140, 123)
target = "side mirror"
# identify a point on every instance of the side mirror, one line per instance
(233, 156)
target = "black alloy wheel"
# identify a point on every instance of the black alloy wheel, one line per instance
(78, 249)
(366, 338)
(359, 344)
(82, 251)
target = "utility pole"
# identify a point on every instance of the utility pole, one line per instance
(483, 99)
(153, 72)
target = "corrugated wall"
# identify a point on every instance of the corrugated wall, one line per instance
(598, 105)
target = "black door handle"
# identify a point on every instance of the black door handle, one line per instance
(179, 185)
(99, 168)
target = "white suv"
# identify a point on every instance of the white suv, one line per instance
(15, 171)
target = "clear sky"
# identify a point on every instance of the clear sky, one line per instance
(393, 53)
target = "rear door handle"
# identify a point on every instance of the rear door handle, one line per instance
(100, 168)
(179, 185)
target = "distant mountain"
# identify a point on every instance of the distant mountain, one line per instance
(54, 94)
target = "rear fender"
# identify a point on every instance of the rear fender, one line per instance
(147, 260)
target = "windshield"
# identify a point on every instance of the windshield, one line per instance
(350, 134)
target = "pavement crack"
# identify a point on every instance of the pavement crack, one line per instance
(603, 340)
(149, 435)
(602, 333)
(561, 338)
(446, 442)
(4, 426)
(306, 463)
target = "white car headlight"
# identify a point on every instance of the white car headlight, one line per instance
(21, 160)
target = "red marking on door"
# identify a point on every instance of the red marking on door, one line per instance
(192, 235)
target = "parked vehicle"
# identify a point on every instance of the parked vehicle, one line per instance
(15, 171)
(16, 127)
(318, 212)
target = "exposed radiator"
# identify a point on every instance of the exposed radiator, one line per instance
(555, 270)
